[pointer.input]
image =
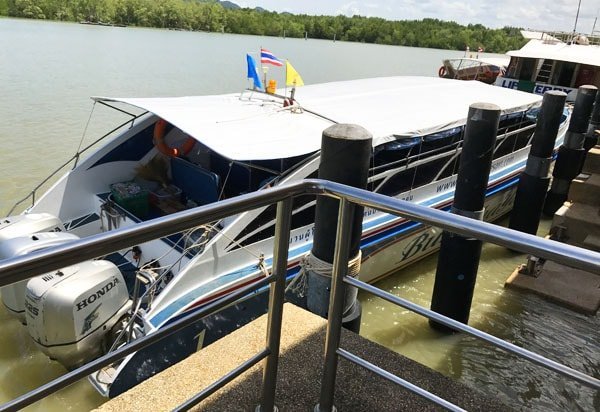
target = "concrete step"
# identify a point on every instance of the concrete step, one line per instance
(592, 161)
(592, 242)
(585, 188)
(299, 375)
(575, 222)
(561, 284)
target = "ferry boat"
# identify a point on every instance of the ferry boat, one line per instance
(180, 152)
(484, 69)
(555, 61)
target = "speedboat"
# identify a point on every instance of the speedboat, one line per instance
(556, 61)
(484, 69)
(182, 152)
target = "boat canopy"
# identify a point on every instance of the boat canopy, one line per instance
(256, 126)
(492, 61)
(574, 53)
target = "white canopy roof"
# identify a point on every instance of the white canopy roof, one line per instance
(494, 61)
(540, 35)
(257, 126)
(574, 53)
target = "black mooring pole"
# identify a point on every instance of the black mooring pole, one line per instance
(459, 256)
(591, 137)
(345, 155)
(534, 182)
(571, 154)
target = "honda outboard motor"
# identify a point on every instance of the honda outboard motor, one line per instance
(21, 225)
(13, 296)
(70, 312)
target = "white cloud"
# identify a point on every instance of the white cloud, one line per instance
(349, 9)
(538, 14)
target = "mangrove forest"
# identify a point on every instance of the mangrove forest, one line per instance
(226, 17)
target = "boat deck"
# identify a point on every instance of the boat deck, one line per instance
(299, 377)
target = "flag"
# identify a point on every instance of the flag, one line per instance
(253, 72)
(266, 57)
(292, 78)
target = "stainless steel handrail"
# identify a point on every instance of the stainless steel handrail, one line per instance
(23, 267)
(339, 277)
(140, 343)
(499, 343)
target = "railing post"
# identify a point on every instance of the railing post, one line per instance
(336, 306)
(276, 299)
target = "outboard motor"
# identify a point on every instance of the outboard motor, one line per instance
(13, 296)
(21, 225)
(70, 312)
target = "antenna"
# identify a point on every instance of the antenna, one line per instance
(576, 18)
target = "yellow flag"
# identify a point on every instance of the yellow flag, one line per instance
(292, 78)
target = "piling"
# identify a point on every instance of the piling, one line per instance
(534, 182)
(458, 259)
(571, 154)
(591, 137)
(345, 155)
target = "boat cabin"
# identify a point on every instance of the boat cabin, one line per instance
(551, 64)
(485, 70)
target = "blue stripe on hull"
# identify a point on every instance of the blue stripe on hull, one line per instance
(369, 244)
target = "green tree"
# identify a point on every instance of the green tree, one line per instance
(209, 15)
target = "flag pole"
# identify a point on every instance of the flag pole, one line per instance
(286, 77)
(263, 68)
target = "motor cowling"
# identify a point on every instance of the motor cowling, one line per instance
(69, 312)
(21, 225)
(13, 296)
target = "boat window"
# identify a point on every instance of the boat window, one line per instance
(528, 67)
(451, 167)
(586, 75)
(398, 183)
(563, 74)
(240, 177)
(411, 162)
(511, 71)
(392, 154)
(263, 226)
(510, 137)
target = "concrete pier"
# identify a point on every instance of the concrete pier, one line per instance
(303, 340)
(577, 223)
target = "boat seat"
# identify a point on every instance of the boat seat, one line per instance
(197, 183)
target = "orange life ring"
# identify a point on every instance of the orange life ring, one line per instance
(442, 71)
(159, 136)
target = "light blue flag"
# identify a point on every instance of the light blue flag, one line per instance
(253, 72)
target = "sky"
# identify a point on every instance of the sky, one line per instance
(554, 15)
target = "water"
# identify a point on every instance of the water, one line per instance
(48, 71)
(523, 319)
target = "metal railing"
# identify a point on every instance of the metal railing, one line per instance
(19, 268)
(73, 159)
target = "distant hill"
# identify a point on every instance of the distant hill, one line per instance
(232, 6)
(229, 5)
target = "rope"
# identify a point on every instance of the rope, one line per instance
(225, 181)
(311, 263)
(77, 153)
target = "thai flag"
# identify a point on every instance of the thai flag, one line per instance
(266, 57)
